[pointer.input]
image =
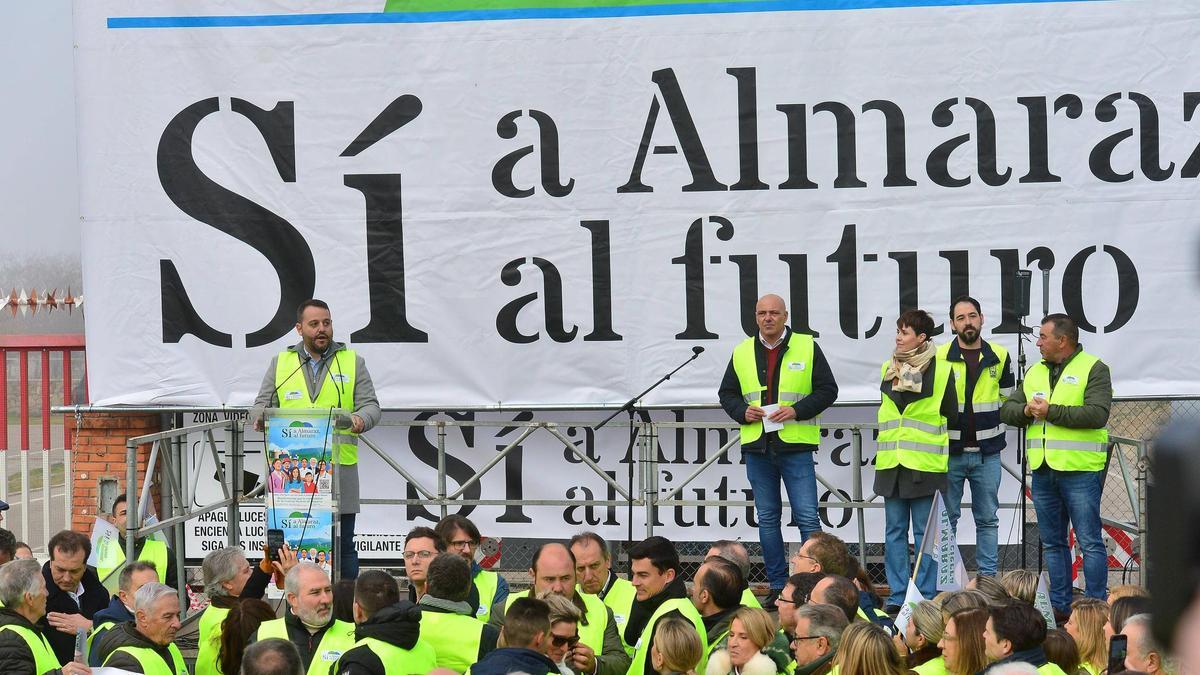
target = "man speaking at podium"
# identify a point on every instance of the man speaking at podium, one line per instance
(321, 373)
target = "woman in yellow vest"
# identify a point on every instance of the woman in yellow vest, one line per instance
(920, 639)
(917, 402)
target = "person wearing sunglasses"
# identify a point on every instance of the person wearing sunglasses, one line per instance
(525, 641)
(564, 632)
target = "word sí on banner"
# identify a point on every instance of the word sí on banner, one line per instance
(292, 257)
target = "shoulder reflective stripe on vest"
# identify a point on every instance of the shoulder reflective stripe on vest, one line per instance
(914, 446)
(913, 424)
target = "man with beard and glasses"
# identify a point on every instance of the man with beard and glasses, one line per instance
(309, 622)
(983, 379)
(321, 373)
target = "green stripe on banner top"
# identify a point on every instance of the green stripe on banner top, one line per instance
(463, 5)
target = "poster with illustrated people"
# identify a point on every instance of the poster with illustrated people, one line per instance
(299, 455)
(300, 482)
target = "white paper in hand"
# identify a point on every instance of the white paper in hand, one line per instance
(768, 425)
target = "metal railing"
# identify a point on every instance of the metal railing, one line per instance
(178, 488)
(46, 370)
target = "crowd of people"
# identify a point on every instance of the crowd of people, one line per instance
(580, 617)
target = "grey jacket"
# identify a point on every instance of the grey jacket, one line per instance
(1093, 414)
(365, 402)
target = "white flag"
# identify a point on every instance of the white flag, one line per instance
(106, 549)
(1041, 600)
(911, 598)
(939, 542)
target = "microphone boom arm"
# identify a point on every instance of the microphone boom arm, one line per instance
(696, 352)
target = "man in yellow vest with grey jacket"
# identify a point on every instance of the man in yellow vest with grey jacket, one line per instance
(775, 386)
(1064, 404)
(321, 373)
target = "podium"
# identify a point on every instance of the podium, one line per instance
(301, 485)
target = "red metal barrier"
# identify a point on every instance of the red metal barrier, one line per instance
(22, 346)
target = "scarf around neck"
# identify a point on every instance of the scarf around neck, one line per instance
(908, 368)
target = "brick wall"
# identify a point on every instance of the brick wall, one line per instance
(100, 453)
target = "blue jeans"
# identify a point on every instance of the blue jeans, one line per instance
(799, 475)
(349, 552)
(897, 514)
(1059, 496)
(983, 472)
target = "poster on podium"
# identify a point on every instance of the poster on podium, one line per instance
(300, 467)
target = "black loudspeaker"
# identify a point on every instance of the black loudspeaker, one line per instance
(1022, 283)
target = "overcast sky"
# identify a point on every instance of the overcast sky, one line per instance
(39, 195)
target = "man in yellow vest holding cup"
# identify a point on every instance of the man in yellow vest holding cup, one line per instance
(1064, 405)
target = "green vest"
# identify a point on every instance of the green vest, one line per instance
(795, 382)
(96, 630)
(291, 381)
(152, 663)
(153, 551)
(620, 599)
(455, 638)
(399, 661)
(337, 639)
(210, 640)
(1052, 669)
(1064, 449)
(44, 659)
(987, 395)
(642, 649)
(934, 666)
(917, 439)
(592, 634)
(488, 583)
(750, 600)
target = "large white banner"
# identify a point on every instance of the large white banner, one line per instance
(541, 469)
(551, 207)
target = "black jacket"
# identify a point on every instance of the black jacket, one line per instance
(298, 635)
(398, 625)
(127, 635)
(15, 657)
(904, 482)
(514, 660)
(990, 418)
(94, 598)
(116, 612)
(1034, 656)
(824, 393)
